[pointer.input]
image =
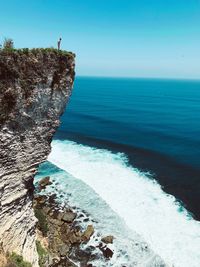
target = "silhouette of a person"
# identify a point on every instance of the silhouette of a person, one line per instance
(59, 42)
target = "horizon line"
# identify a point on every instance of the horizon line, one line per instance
(138, 78)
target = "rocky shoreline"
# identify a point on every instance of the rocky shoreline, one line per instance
(61, 236)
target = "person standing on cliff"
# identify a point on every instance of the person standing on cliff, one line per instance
(59, 42)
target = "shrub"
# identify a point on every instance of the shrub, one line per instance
(42, 221)
(15, 260)
(25, 51)
(8, 44)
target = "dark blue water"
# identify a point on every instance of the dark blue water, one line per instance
(155, 122)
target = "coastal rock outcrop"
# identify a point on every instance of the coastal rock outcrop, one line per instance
(35, 86)
(44, 182)
(108, 239)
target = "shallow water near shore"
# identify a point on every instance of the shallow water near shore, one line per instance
(128, 247)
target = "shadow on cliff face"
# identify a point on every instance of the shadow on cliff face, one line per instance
(21, 70)
(8, 96)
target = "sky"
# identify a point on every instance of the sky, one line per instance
(117, 38)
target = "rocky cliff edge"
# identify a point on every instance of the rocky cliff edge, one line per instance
(35, 86)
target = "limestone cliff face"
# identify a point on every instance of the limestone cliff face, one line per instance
(34, 88)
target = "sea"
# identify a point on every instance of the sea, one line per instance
(128, 153)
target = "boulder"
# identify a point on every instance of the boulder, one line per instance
(88, 233)
(68, 216)
(63, 263)
(108, 253)
(44, 182)
(108, 239)
(83, 256)
(56, 214)
(40, 199)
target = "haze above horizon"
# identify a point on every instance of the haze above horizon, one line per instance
(115, 38)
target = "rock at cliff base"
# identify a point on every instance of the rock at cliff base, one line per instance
(88, 233)
(40, 199)
(52, 199)
(68, 216)
(108, 253)
(63, 263)
(108, 239)
(43, 183)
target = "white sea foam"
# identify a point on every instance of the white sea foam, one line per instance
(140, 201)
(128, 247)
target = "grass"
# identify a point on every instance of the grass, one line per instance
(42, 221)
(42, 253)
(15, 260)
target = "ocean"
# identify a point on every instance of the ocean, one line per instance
(128, 152)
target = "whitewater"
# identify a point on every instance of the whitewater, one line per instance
(157, 217)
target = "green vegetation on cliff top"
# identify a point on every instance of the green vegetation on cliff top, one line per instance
(8, 48)
(35, 51)
(25, 68)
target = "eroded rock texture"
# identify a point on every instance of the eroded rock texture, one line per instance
(34, 88)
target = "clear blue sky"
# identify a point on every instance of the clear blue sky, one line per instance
(137, 38)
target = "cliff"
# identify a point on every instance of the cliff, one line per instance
(35, 86)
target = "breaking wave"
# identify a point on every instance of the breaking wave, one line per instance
(140, 201)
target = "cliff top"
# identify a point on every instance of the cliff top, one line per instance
(26, 51)
(21, 70)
